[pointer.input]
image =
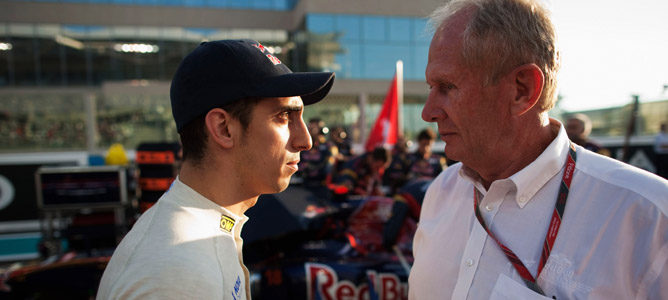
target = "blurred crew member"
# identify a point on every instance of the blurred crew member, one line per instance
(396, 174)
(238, 111)
(339, 137)
(661, 150)
(578, 128)
(363, 174)
(424, 163)
(316, 164)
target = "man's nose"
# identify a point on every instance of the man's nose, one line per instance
(301, 137)
(430, 111)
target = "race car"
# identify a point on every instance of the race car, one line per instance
(296, 246)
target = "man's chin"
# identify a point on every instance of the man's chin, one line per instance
(454, 154)
(451, 153)
(282, 184)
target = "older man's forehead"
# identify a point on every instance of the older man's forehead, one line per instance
(448, 38)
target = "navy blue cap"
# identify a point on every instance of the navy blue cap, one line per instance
(220, 72)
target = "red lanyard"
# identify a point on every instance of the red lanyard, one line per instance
(552, 231)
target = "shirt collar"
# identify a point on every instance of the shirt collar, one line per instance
(218, 216)
(534, 176)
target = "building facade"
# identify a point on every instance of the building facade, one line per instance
(82, 75)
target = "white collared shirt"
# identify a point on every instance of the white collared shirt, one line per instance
(184, 247)
(613, 240)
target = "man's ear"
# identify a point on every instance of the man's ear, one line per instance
(220, 128)
(528, 85)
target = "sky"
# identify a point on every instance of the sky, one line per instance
(611, 50)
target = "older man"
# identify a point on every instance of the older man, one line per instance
(527, 213)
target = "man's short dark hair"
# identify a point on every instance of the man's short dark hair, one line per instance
(194, 134)
(426, 134)
(380, 154)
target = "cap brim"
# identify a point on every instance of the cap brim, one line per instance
(311, 86)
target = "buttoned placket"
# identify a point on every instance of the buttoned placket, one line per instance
(490, 203)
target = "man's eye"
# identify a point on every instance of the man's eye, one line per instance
(284, 115)
(446, 87)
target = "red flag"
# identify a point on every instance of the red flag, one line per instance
(385, 130)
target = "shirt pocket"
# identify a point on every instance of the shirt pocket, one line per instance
(508, 289)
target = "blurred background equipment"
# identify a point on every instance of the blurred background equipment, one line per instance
(157, 165)
(83, 206)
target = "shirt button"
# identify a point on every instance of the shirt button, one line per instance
(469, 262)
(489, 207)
(523, 199)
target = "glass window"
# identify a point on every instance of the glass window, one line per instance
(146, 2)
(418, 62)
(350, 61)
(284, 4)
(172, 2)
(422, 32)
(349, 27)
(380, 63)
(372, 44)
(374, 28)
(400, 29)
(320, 23)
(263, 4)
(280, 5)
(23, 51)
(195, 3)
(237, 3)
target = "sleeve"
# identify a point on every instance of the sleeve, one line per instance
(170, 279)
(654, 284)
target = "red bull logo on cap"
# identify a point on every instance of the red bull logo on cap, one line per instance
(259, 47)
(273, 59)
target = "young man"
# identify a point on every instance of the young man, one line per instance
(238, 111)
(527, 214)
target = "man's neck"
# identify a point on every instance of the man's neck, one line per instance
(206, 179)
(520, 151)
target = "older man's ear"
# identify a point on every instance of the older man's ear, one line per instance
(527, 83)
